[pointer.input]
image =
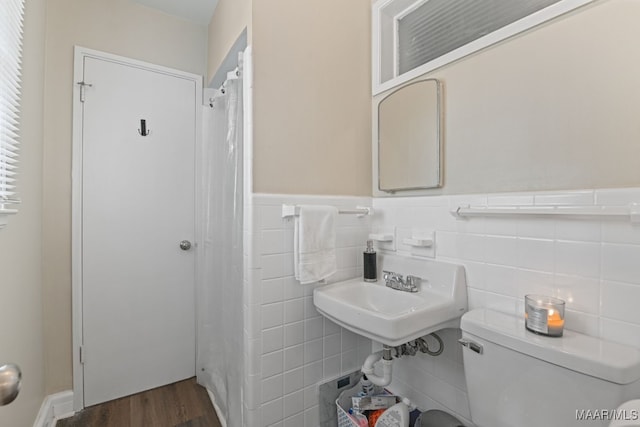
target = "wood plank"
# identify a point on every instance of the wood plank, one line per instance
(182, 404)
(144, 410)
(210, 418)
(198, 422)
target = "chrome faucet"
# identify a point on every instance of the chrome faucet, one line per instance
(395, 281)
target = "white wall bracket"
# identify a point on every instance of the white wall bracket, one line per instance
(418, 242)
(381, 237)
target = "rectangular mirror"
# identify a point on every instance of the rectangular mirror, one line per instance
(409, 138)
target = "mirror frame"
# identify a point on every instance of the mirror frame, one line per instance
(377, 191)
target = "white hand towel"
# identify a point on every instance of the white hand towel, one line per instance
(314, 240)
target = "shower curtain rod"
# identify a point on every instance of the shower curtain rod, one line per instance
(231, 75)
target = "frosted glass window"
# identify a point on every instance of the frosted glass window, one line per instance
(437, 27)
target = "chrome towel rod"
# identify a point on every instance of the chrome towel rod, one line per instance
(294, 210)
(630, 212)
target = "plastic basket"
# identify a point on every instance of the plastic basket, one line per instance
(343, 403)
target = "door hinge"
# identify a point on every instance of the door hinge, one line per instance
(82, 355)
(82, 89)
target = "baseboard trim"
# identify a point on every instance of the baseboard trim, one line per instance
(222, 420)
(54, 407)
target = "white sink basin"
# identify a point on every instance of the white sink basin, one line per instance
(395, 317)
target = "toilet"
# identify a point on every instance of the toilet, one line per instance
(631, 407)
(516, 378)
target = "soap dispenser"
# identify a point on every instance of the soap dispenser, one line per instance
(370, 267)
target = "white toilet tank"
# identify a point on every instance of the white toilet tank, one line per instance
(516, 378)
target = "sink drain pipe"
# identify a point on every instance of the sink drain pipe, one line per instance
(367, 368)
(409, 349)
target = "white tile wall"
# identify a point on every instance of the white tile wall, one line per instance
(290, 347)
(592, 264)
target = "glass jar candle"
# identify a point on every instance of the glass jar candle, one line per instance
(544, 315)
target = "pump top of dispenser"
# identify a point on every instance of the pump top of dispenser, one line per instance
(370, 249)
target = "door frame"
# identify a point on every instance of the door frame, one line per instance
(80, 53)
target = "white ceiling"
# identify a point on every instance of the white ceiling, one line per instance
(199, 11)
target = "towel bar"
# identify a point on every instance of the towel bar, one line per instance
(294, 210)
(630, 212)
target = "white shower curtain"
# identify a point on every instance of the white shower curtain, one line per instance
(219, 296)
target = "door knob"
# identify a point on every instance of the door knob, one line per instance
(10, 382)
(185, 245)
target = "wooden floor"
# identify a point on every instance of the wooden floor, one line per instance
(182, 404)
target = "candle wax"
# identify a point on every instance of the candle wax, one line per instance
(554, 319)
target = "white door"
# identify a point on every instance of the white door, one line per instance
(137, 206)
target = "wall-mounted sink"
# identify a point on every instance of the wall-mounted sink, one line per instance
(394, 317)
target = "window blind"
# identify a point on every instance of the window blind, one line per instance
(11, 22)
(438, 27)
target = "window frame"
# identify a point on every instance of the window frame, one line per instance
(385, 16)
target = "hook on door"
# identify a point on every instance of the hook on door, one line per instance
(143, 128)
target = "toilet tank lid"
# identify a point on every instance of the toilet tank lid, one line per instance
(592, 356)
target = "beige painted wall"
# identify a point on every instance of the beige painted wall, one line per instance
(312, 95)
(230, 18)
(114, 26)
(556, 108)
(21, 240)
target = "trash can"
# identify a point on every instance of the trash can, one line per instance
(437, 418)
